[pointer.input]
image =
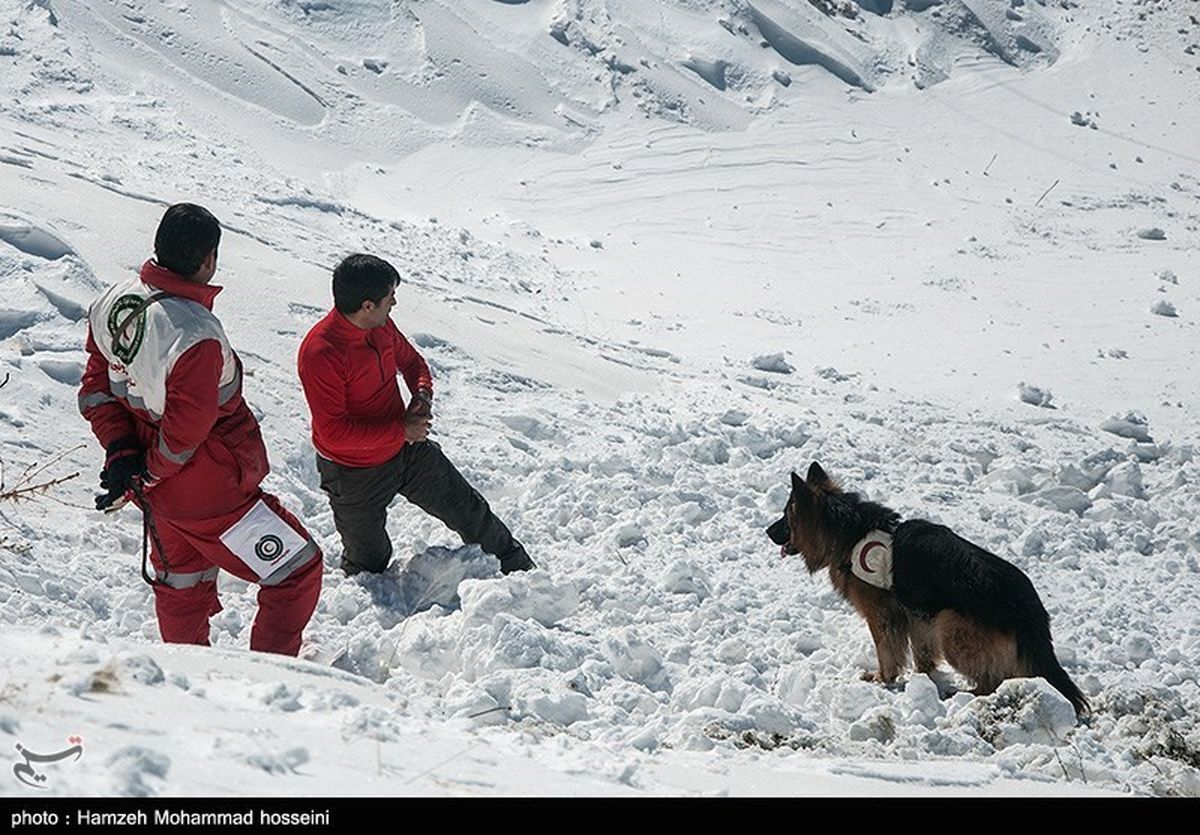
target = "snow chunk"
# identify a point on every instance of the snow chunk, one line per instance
(712, 71)
(530, 595)
(530, 427)
(560, 707)
(506, 643)
(878, 723)
(634, 659)
(281, 764)
(428, 646)
(1024, 711)
(428, 340)
(629, 534)
(1138, 648)
(769, 715)
(774, 363)
(732, 651)
(831, 373)
(432, 578)
(1133, 425)
(470, 701)
(142, 668)
(1124, 480)
(853, 700)
(1091, 471)
(279, 696)
(1162, 307)
(1062, 499)
(1014, 479)
(684, 577)
(1034, 395)
(130, 767)
(795, 685)
(921, 702)
(716, 691)
(67, 372)
(758, 382)
(1146, 452)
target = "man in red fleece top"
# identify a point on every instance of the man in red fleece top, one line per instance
(163, 393)
(370, 447)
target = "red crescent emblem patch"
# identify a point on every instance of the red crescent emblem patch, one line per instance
(862, 555)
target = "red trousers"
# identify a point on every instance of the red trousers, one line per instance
(186, 596)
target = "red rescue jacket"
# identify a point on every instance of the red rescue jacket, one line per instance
(171, 380)
(349, 378)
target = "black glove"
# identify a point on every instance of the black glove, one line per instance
(125, 463)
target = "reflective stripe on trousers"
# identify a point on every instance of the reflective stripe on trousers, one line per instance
(187, 579)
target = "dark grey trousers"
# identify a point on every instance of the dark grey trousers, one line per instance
(424, 475)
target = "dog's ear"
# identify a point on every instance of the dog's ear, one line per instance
(802, 494)
(817, 477)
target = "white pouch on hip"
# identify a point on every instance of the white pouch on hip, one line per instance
(262, 540)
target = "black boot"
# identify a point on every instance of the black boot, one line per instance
(516, 560)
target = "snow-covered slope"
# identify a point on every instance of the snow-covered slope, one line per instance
(658, 255)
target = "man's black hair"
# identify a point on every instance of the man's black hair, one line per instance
(186, 234)
(361, 278)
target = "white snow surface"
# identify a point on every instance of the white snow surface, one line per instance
(658, 255)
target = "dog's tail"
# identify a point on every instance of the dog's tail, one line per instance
(1035, 647)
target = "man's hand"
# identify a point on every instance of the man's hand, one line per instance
(416, 428)
(125, 463)
(421, 405)
(418, 418)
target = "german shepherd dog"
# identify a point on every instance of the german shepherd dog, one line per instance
(949, 599)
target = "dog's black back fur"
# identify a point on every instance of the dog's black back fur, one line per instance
(935, 568)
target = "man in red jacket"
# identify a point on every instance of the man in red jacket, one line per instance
(370, 447)
(163, 393)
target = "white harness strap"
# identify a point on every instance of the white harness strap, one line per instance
(871, 559)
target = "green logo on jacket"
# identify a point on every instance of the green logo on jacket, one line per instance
(127, 324)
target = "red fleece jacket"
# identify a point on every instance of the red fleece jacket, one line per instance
(349, 379)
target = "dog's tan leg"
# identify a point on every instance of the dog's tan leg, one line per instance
(889, 629)
(925, 649)
(880, 653)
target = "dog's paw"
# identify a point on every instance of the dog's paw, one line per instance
(876, 677)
